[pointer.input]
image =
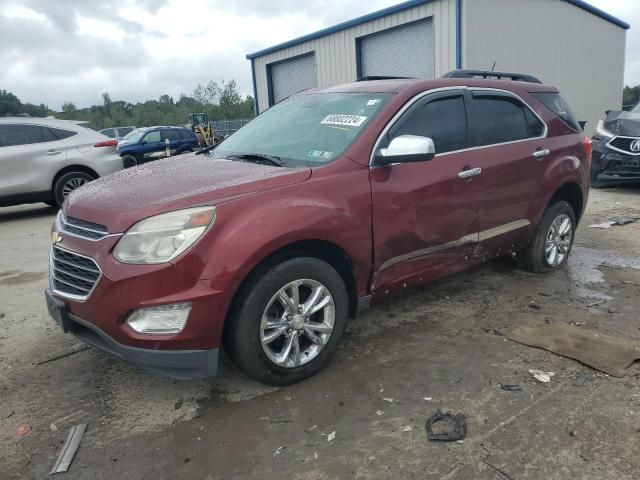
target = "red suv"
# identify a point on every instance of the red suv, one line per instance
(270, 242)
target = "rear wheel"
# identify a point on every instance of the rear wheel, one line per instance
(67, 183)
(551, 246)
(288, 322)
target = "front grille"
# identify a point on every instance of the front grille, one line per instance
(73, 275)
(625, 145)
(82, 228)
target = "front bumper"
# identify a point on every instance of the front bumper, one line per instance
(608, 167)
(178, 364)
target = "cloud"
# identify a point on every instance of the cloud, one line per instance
(73, 50)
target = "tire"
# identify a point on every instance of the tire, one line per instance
(245, 331)
(67, 183)
(129, 161)
(534, 258)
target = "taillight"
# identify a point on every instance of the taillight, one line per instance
(588, 149)
(108, 143)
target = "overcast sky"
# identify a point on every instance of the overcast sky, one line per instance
(53, 51)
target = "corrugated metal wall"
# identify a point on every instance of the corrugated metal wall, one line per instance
(572, 49)
(336, 53)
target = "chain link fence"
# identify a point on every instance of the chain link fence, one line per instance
(224, 128)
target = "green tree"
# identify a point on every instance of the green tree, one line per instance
(9, 104)
(631, 96)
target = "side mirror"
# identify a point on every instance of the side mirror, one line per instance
(405, 149)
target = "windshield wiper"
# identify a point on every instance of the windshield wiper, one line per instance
(258, 158)
(206, 149)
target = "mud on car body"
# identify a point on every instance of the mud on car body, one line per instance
(616, 148)
(270, 242)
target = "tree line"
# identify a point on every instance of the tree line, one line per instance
(221, 101)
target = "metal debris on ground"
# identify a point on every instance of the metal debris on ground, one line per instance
(620, 221)
(279, 451)
(449, 427)
(510, 388)
(331, 436)
(408, 428)
(69, 449)
(310, 429)
(379, 413)
(595, 304)
(390, 400)
(53, 427)
(427, 399)
(23, 430)
(10, 414)
(543, 377)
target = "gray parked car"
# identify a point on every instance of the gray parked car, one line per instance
(117, 132)
(44, 159)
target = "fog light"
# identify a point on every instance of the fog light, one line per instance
(160, 320)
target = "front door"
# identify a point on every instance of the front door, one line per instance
(425, 215)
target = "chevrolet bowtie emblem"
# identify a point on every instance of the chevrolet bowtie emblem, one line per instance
(55, 238)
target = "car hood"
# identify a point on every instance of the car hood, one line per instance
(626, 124)
(126, 197)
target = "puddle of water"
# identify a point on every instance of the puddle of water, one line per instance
(584, 269)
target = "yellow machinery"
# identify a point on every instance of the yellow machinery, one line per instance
(199, 123)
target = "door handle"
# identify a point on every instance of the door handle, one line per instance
(541, 153)
(472, 172)
(53, 152)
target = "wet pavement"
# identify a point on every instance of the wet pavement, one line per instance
(440, 346)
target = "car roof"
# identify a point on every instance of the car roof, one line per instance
(50, 121)
(399, 85)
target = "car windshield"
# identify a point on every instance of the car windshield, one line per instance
(306, 130)
(636, 109)
(135, 136)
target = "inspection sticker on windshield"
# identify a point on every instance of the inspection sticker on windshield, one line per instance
(344, 120)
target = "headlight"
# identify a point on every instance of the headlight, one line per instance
(602, 133)
(161, 238)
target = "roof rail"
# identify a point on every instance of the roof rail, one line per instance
(517, 77)
(381, 77)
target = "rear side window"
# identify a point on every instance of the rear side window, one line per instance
(17, 134)
(170, 135)
(61, 134)
(444, 120)
(496, 118)
(559, 106)
(124, 131)
(109, 132)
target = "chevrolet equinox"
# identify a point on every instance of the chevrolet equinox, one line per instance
(268, 243)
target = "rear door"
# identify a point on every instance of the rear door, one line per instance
(425, 216)
(508, 140)
(28, 153)
(175, 140)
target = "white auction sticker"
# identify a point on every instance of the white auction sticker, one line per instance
(342, 119)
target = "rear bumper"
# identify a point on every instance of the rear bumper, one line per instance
(178, 364)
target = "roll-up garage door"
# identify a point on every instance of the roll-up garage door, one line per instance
(293, 76)
(405, 51)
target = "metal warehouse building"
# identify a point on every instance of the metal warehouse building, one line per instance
(566, 43)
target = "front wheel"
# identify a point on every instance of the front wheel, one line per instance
(129, 161)
(551, 246)
(288, 321)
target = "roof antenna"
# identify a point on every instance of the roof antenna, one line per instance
(493, 69)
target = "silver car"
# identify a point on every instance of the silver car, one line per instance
(117, 132)
(43, 159)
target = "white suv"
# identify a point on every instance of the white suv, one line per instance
(43, 159)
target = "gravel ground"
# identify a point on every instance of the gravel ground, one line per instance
(443, 342)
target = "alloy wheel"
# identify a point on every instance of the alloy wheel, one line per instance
(559, 239)
(297, 323)
(71, 184)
